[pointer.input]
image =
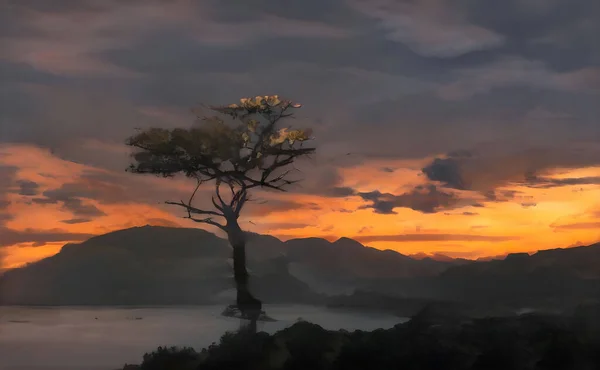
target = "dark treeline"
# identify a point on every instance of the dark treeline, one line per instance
(428, 341)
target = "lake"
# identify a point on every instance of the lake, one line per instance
(105, 338)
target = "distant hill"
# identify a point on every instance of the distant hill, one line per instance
(140, 266)
(582, 262)
(162, 265)
(558, 278)
(343, 265)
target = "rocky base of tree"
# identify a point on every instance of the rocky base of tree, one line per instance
(535, 342)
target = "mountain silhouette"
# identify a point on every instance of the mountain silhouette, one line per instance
(554, 279)
(142, 265)
(162, 265)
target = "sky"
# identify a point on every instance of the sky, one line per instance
(465, 128)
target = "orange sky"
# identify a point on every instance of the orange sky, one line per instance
(482, 118)
(563, 216)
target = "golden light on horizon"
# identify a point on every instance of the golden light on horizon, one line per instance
(539, 218)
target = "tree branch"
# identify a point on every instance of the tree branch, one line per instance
(198, 183)
(209, 221)
(268, 130)
(194, 210)
(241, 198)
(214, 202)
(218, 192)
(203, 154)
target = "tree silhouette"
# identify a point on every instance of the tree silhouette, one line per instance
(249, 151)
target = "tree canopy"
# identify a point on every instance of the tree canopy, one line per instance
(243, 146)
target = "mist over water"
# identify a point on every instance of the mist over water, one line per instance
(73, 338)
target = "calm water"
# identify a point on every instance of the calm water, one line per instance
(106, 338)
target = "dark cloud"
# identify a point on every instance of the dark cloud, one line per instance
(74, 221)
(340, 192)
(387, 169)
(328, 11)
(446, 171)
(8, 183)
(484, 170)
(107, 188)
(365, 69)
(72, 197)
(74, 205)
(58, 6)
(432, 238)
(425, 199)
(272, 206)
(501, 195)
(431, 29)
(38, 237)
(112, 188)
(90, 185)
(517, 82)
(7, 176)
(577, 226)
(364, 229)
(456, 169)
(528, 204)
(284, 225)
(27, 187)
(324, 180)
(554, 31)
(535, 181)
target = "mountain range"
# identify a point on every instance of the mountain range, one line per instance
(153, 265)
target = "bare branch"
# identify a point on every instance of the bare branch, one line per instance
(194, 210)
(218, 192)
(199, 182)
(208, 221)
(204, 153)
(231, 188)
(214, 202)
(240, 197)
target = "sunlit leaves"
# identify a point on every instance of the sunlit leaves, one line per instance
(291, 136)
(273, 101)
(253, 125)
(265, 105)
(245, 137)
(226, 149)
(261, 103)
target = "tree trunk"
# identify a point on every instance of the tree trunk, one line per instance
(249, 306)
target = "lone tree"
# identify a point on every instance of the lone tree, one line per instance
(250, 150)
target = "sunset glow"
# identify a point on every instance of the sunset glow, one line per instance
(462, 139)
(561, 217)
